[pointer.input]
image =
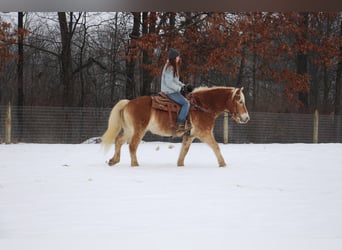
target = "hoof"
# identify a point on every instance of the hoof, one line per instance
(111, 162)
(180, 164)
(135, 164)
(222, 165)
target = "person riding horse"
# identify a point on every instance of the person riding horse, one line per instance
(174, 88)
(129, 120)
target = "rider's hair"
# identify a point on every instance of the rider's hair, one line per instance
(175, 66)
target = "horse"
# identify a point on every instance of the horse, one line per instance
(129, 120)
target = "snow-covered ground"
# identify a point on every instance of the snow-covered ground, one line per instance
(270, 191)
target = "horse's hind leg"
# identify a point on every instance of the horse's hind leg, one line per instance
(210, 140)
(119, 141)
(187, 140)
(133, 146)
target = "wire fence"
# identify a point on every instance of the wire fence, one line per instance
(77, 125)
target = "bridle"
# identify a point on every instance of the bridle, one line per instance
(234, 112)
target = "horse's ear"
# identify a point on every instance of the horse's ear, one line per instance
(241, 89)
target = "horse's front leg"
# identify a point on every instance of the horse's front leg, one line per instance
(210, 140)
(187, 140)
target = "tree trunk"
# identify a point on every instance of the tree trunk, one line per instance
(82, 49)
(326, 87)
(66, 71)
(326, 83)
(130, 63)
(20, 68)
(145, 60)
(113, 61)
(241, 68)
(302, 69)
(172, 19)
(149, 22)
(130, 82)
(66, 60)
(338, 82)
(302, 62)
(255, 86)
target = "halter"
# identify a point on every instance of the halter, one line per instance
(234, 113)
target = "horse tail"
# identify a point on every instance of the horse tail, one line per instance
(115, 123)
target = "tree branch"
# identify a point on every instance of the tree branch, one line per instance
(88, 64)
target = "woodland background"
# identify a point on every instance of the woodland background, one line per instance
(287, 62)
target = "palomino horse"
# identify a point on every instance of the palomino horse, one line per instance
(131, 119)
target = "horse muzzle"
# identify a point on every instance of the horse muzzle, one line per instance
(241, 118)
(244, 118)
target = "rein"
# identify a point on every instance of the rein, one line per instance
(194, 104)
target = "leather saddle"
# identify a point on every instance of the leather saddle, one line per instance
(164, 103)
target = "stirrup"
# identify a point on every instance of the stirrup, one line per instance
(183, 128)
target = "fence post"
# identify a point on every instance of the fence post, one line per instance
(225, 128)
(315, 129)
(8, 124)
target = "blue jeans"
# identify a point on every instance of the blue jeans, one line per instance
(180, 99)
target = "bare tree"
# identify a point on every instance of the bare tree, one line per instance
(339, 80)
(67, 30)
(148, 28)
(302, 58)
(20, 69)
(131, 57)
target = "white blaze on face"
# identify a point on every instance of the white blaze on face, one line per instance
(244, 117)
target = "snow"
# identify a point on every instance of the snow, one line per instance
(267, 191)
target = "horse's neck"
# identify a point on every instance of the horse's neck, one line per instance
(214, 100)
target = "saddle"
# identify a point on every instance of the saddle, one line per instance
(164, 103)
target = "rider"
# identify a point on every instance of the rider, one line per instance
(172, 86)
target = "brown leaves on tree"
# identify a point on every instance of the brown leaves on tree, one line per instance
(219, 41)
(8, 37)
